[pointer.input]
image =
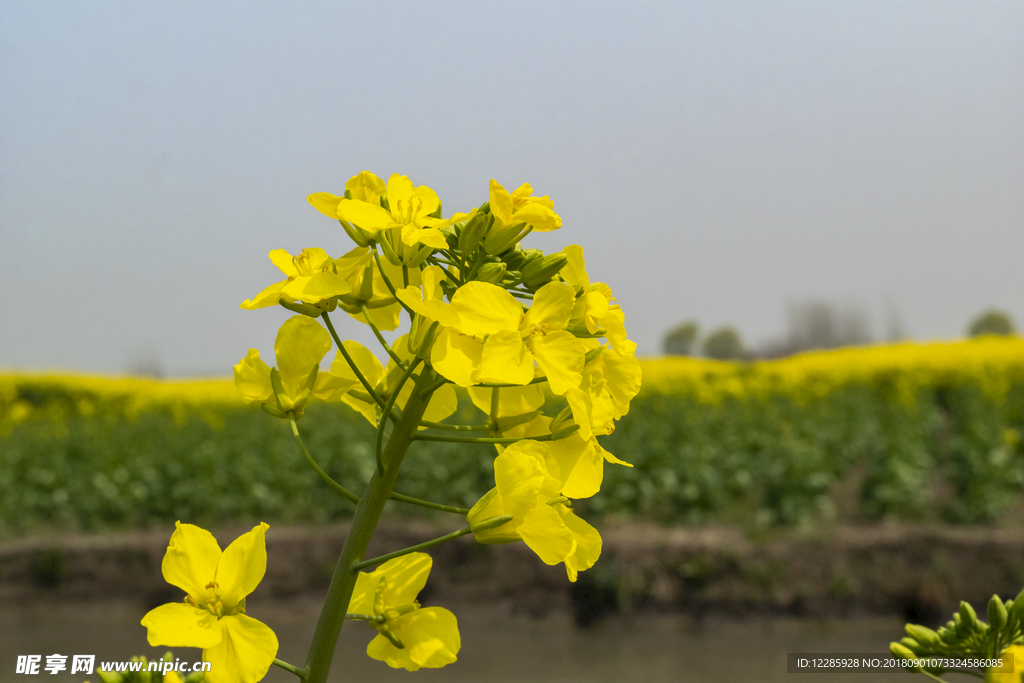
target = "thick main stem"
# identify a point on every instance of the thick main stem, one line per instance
(378, 491)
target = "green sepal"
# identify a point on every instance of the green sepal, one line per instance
(304, 309)
(389, 252)
(567, 430)
(490, 523)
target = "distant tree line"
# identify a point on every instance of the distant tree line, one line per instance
(811, 325)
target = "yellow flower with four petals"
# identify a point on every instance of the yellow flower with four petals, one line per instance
(240, 649)
(409, 636)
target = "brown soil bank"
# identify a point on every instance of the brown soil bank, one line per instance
(918, 572)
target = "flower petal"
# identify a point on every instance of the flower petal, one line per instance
(244, 655)
(405, 577)
(329, 387)
(243, 565)
(430, 635)
(561, 356)
(365, 187)
(501, 202)
(322, 285)
(546, 534)
(369, 217)
(588, 542)
(506, 359)
(326, 203)
(539, 216)
(581, 465)
(457, 357)
(552, 306)
(180, 625)
(190, 562)
(271, 296)
(301, 343)
(252, 377)
(511, 400)
(485, 309)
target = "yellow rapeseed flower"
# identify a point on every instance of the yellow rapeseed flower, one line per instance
(239, 648)
(409, 636)
(527, 487)
(410, 210)
(311, 278)
(300, 346)
(496, 341)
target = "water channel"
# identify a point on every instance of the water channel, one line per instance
(496, 647)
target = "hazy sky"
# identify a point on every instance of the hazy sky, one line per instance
(717, 161)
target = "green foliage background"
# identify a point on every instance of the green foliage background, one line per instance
(861, 449)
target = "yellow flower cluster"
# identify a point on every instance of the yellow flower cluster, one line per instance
(991, 363)
(505, 323)
(34, 396)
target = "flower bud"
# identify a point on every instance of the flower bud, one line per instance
(421, 336)
(923, 635)
(1016, 611)
(474, 231)
(968, 617)
(540, 271)
(996, 613)
(910, 644)
(903, 652)
(491, 272)
(517, 258)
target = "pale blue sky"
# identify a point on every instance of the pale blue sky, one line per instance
(717, 161)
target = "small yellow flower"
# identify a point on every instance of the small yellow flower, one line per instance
(594, 308)
(528, 486)
(300, 346)
(312, 278)
(442, 404)
(409, 636)
(511, 338)
(239, 648)
(410, 210)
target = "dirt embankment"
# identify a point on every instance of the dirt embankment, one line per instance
(918, 572)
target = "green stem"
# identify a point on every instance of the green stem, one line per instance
(438, 384)
(338, 488)
(364, 617)
(401, 498)
(378, 492)
(356, 566)
(499, 385)
(352, 364)
(379, 447)
(291, 668)
(494, 410)
(454, 428)
(387, 282)
(345, 493)
(479, 439)
(380, 337)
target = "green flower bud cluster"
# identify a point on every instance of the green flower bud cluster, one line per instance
(495, 256)
(965, 634)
